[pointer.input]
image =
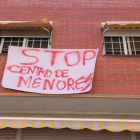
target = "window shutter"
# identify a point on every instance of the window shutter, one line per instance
(68, 134)
(8, 134)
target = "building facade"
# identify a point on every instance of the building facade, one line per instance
(111, 26)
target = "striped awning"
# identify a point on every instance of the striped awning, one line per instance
(25, 24)
(133, 25)
(111, 123)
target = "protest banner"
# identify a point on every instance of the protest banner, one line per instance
(49, 71)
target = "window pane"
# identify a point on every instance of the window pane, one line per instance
(36, 44)
(131, 45)
(109, 52)
(121, 39)
(107, 39)
(21, 39)
(108, 47)
(114, 45)
(45, 39)
(137, 47)
(38, 39)
(15, 39)
(5, 47)
(14, 44)
(20, 44)
(6, 43)
(136, 38)
(116, 48)
(117, 52)
(115, 39)
(133, 52)
(30, 38)
(138, 52)
(29, 44)
(7, 39)
(122, 48)
(130, 38)
(44, 44)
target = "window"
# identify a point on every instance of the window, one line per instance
(5, 42)
(121, 37)
(133, 45)
(122, 45)
(114, 45)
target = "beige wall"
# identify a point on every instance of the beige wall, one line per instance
(70, 105)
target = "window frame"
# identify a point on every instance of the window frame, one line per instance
(124, 42)
(24, 41)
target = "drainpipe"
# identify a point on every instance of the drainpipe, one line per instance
(103, 41)
(49, 34)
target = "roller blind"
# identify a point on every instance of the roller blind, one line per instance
(68, 134)
(8, 134)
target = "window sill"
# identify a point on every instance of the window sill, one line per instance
(119, 55)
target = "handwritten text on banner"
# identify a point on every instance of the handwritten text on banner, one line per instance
(50, 71)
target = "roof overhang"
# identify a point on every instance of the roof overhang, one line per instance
(121, 25)
(26, 24)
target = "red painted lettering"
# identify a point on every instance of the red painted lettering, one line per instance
(58, 73)
(35, 82)
(66, 58)
(48, 73)
(65, 73)
(53, 55)
(88, 80)
(64, 85)
(70, 82)
(61, 73)
(49, 83)
(41, 71)
(78, 82)
(31, 63)
(25, 82)
(24, 70)
(13, 71)
(33, 70)
(85, 54)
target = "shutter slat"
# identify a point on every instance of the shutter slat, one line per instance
(137, 135)
(8, 134)
(68, 134)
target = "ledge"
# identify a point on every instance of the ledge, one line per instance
(70, 106)
(81, 95)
